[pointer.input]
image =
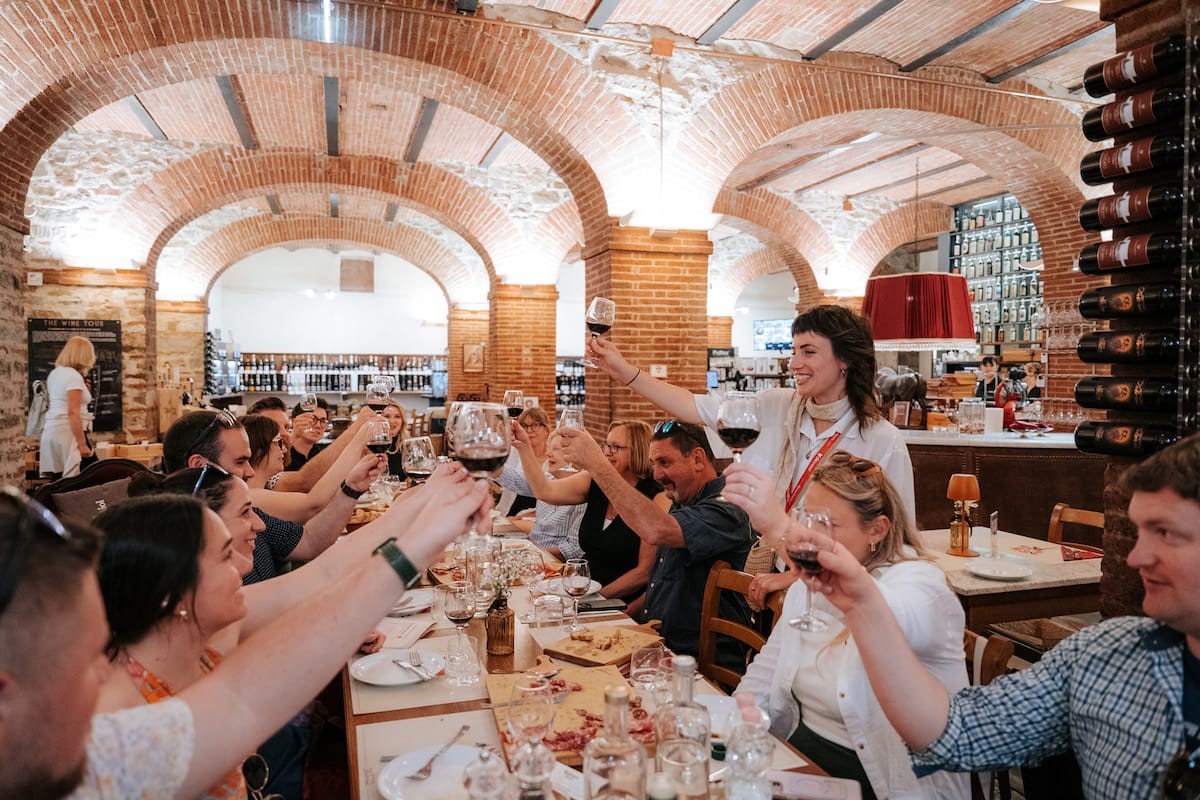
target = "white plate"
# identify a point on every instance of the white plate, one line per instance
(1004, 568)
(446, 782)
(419, 601)
(377, 669)
(719, 707)
(554, 586)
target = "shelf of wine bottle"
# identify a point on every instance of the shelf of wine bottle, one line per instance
(296, 373)
(568, 383)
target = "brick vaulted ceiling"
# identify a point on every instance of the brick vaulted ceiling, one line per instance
(177, 137)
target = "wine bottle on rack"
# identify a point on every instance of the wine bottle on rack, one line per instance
(1136, 66)
(1126, 347)
(1133, 300)
(1162, 203)
(1132, 394)
(1136, 111)
(1120, 439)
(1131, 158)
(1131, 252)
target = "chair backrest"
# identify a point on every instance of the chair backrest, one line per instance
(1064, 514)
(723, 577)
(987, 656)
(85, 495)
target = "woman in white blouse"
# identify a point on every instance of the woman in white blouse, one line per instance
(813, 683)
(64, 442)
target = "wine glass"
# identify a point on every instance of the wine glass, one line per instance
(460, 608)
(531, 570)
(514, 399)
(377, 396)
(803, 550)
(482, 438)
(571, 418)
(737, 421)
(531, 710)
(600, 315)
(379, 439)
(448, 433)
(576, 579)
(418, 458)
(309, 404)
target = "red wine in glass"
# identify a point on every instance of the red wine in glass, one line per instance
(378, 448)
(515, 411)
(482, 466)
(419, 475)
(806, 559)
(377, 407)
(738, 439)
(598, 327)
(459, 616)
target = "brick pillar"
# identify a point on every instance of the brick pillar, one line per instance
(720, 331)
(181, 326)
(1138, 22)
(124, 295)
(14, 388)
(660, 286)
(465, 326)
(522, 334)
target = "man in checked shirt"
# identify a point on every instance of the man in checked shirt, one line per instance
(1124, 695)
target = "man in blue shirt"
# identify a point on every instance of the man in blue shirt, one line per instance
(1124, 695)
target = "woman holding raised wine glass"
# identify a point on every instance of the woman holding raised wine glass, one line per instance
(809, 676)
(536, 424)
(397, 422)
(832, 407)
(619, 559)
(555, 528)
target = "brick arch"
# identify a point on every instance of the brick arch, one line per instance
(749, 268)
(774, 220)
(924, 218)
(160, 208)
(219, 251)
(509, 77)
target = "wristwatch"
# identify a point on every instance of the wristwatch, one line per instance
(353, 494)
(392, 554)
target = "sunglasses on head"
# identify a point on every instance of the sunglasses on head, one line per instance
(210, 475)
(860, 466)
(33, 517)
(224, 418)
(693, 432)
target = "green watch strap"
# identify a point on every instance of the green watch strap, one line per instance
(392, 554)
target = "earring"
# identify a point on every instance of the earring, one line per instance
(873, 547)
(843, 372)
(183, 611)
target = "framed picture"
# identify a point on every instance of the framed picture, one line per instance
(900, 414)
(472, 358)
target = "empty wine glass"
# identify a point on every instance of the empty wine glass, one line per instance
(802, 549)
(418, 458)
(737, 421)
(309, 404)
(600, 316)
(531, 569)
(571, 418)
(514, 400)
(531, 710)
(576, 579)
(451, 416)
(377, 396)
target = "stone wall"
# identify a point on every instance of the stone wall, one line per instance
(181, 327)
(14, 396)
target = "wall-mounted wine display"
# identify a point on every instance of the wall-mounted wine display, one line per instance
(1152, 256)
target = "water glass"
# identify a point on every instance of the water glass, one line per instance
(548, 610)
(685, 762)
(649, 670)
(462, 661)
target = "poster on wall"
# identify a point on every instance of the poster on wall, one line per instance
(46, 339)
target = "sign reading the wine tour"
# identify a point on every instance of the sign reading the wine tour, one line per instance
(46, 339)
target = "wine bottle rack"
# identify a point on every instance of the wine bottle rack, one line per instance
(296, 373)
(568, 383)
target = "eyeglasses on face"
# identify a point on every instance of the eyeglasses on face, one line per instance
(278, 442)
(610, 449)
(209, 476)
(531, 426)
(256, 772)
(224, 418)
(32, 518)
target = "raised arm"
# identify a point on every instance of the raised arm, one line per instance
(235, 709)
(322, 530)
(307, 476)
(567, 491)
(302, 507)
(675, 400)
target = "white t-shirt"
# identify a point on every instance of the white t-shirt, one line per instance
(140, 752)
(60, 381)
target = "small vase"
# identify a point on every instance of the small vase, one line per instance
(500, 623)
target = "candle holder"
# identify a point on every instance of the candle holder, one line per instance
(963, 489)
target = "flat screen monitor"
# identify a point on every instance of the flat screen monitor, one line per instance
(773, 334)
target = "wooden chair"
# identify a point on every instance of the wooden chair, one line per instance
(724, 577)
(987, 659)
(1064, 514)
(85, 495)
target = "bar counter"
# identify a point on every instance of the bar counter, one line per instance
(1021, 477)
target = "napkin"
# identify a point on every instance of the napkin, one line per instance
(1078, 554)
(402, 634)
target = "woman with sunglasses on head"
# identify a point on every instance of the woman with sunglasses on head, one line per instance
(832, 407)
(813, 683)
(619, 560)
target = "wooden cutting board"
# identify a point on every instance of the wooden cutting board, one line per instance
(578, 717)
(609, 645)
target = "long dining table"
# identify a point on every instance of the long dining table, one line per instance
(384, 722)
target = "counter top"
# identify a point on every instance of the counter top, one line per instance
(1049, 441)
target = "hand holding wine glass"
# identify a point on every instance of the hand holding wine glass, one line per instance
(379, 439)
(803, 549)
(377, 396)
(482, 438)
(600, 316)
(308, 405)
(418, 458)
(737, 421)
(571, 418)
(576, 578)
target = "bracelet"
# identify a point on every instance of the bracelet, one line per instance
(634, 378)
(396, 559)
(353, 494)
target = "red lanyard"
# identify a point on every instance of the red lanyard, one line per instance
(794, 489)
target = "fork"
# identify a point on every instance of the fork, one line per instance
(427, 770)
(414, 658)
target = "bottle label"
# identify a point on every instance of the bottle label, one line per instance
(1132, 157)
(1132, 112)
(1132, 251)
(1125, 208)
(1136, 65)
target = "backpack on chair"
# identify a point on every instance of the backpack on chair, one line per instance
(39, 404)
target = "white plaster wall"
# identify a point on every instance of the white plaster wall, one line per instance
(571, 310)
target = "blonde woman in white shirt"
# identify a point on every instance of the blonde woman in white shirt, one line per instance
(813, 683)
(64, 442)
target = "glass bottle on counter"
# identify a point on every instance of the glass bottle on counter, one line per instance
(614, 763)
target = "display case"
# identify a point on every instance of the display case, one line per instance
(568, 383)
(222, 364)
(296, 373)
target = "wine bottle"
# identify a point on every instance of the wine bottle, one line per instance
(1131, 252)
(1136, 205)
(1134, 300)
(1119, 439)
(1136, 111)
(1125, 347)
(1134, 394)
(1136, 66)
(1131, 158)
